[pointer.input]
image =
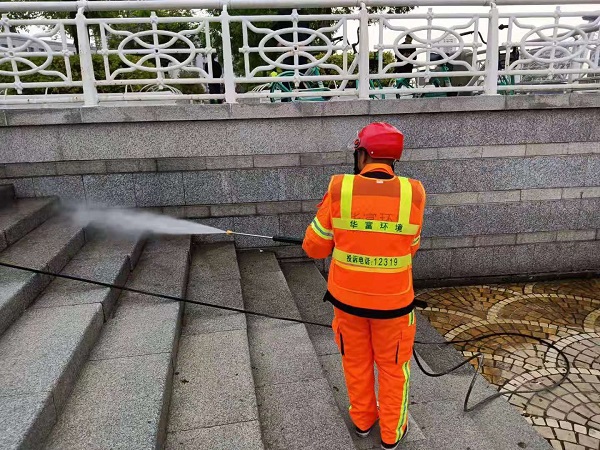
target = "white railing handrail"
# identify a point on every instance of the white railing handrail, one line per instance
(123, 5)
(298, 57)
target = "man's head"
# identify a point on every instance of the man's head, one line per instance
(378, 142)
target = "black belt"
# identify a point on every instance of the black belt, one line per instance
(370, 313)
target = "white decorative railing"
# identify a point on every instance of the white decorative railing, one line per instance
(203, 55)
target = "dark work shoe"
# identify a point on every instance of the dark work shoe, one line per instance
(363, 433)
(395, 446)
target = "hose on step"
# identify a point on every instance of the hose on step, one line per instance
(479, 356)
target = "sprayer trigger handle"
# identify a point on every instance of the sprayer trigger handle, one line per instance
(288, 240)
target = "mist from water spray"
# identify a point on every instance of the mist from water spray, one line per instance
(134, 222)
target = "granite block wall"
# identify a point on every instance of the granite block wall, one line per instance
(513, 185)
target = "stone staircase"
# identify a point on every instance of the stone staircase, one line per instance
(89, 367)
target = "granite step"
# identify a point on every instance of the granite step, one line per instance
(121, 399)
(44, 350)
(22, 216)
(49, 247)
(213, 406)
(7, 195)
(295, 403)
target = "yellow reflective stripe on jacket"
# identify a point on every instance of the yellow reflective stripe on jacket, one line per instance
(411, 318)
(346, 196)
(392, 263)
(320, 230)
(376, 226)
(416, 240)
(405, 201)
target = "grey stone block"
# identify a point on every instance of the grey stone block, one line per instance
(538, 101)
(452, 242)
(495, 239)
(592, 175)
(499, 196)
(69, 188)
(32, 169)
(459, 198)
(589, 218)
(321, 159)
(224, 393)
(310, 206)
(159, 189)
(3, 119)
(42, 116)
(240, 209)
(19, 288)
(262, 225)
(277, 160)
(179, 164)
(559, 148)
(473, 262)
(423, 154)
(265, 289)
(80, 167)
(134, 389)
(23, 187)
(515, 260)
(214, 262)
(541, 194)
(295, 224)
(18, 414)
(542, 171)
(460, 152)
(207, 187)
(303, 183)
(532, 238)
(61, 292)
(63, 336)
(576, 148)
(581, 192)
(499, 151)
(432, 264)
(273, 208)
(110, 190)
(139, 329)
(7, 195)
(131, 165)
(576, 235)
(22, 217)
(189, 212)
(228, 162)
(287, 414)
(258, 185)
(282, 355)
(244, 435)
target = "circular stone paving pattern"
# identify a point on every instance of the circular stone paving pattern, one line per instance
(566, 313)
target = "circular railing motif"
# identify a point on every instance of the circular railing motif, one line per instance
(294, 48)
(16, 53)
(436, 45)
(552, 46)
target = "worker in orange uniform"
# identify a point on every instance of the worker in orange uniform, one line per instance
(372, 221)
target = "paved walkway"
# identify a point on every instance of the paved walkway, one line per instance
(566, 312)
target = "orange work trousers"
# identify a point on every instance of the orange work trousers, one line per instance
(387, 343)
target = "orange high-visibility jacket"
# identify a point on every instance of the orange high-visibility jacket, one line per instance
(372, 223)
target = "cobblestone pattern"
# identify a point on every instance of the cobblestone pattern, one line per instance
(566, 313)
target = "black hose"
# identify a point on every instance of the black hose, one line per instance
(479, 356)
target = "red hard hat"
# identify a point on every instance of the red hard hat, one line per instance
(381, 141)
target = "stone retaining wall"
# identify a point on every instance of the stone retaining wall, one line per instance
(513, 188)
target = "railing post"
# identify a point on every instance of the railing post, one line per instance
(492, 54)
(363, 52)
(228, 73)
(90, 94)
